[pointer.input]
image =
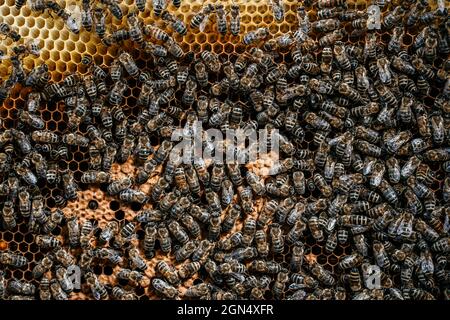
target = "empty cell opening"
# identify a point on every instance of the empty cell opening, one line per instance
(93, 205)
(114, 205)
(119, 215)
(23, 247)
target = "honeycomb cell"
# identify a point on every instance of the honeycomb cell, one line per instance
(3, 245)
(332, 260)
(119, 215)
(7, 236)
(23, 247)
(18, 237)
(18, 274)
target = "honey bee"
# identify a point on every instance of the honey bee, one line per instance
(114, 8)
(178, 232)
(44, 289)
(120, 294)
(8, 215)
(177, 24)
(255, 36)
(97, 288)
(159, 6)
(134, 25)
(72, 22)
(221, 18)
(197, 291)
(86, 15)
(9, 32)
(276, 236)
(203, 250)
(13, 259)
(129, 64)
(164, 288)
(187, 270)
(200, 19)
(136, 260)
(31, 120)
(235, 20)
(64, 257)
(168, 272)
(99, 22)
(164, 239)
(21, 287)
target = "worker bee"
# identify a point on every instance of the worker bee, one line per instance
(200, 19)
(8, 31)
(136, 260)
(164, 288)
(97, 288)
(20, 287)
(13, 259)
(159, 6)
(177, 24)
(129, 64)
(278, 9)
(134, 25)
(120, 294)
(235, 20)
(164, 239)
(69, 185)
(178, 232)
(134, 276)
(86, 15)
(255, 36)
(114, 8)
(72, 22)
(168, 272)
(187, 270)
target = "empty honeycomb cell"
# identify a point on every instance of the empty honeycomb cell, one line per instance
(228, 48)
(217, 47)
(23, 247)
(29, 23)
(19, 22)
(18, 237)
(18, 274)
(4, 113)
(28, 275)
(40, 24)
(56, 116)
(119, 215)
(114, 205)
(46, 115)
(60, 68)
(59, 45)
(332, 260)
(7, 236)
(316, 250)
(69, 46)
(284, 29)
(257, 20)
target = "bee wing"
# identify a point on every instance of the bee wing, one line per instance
(4, 57)
(203, 23)
(238, 276)
(296, 286)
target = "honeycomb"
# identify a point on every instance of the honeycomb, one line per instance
(63, 51)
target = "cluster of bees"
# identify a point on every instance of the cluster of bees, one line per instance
(364, 140)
